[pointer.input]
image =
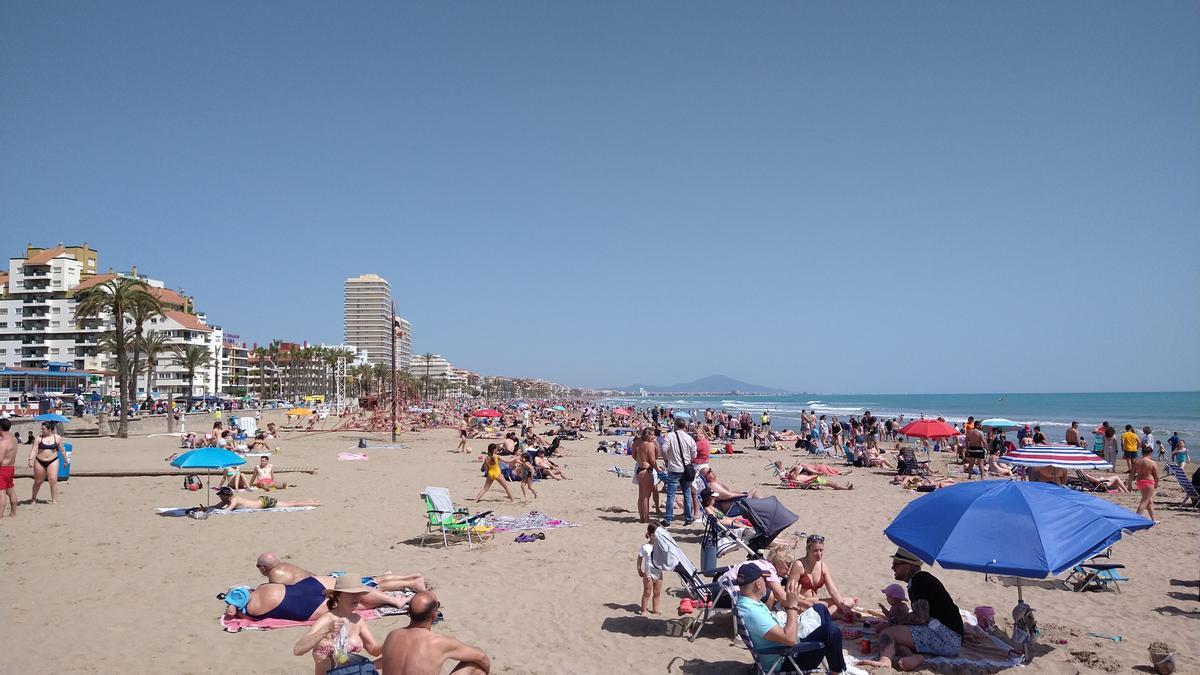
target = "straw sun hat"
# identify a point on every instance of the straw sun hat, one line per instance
(347, 584)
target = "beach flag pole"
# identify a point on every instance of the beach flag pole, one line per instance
(395, 327)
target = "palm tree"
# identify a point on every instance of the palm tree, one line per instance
(428, 356)
(144, 307)
(116, 298)
(192, 358)
(107, 344)
(152, 344)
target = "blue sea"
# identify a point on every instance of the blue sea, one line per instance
(1163, 412)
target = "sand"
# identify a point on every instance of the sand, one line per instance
(99, 583)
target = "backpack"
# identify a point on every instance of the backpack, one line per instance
(192, 483)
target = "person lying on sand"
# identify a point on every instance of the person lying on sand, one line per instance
(919, 482)
(723, 496)
(812, 474)
(417, 650)
(301, 601)
(279, 572)
(232, 502)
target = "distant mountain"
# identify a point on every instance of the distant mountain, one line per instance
(713, 384)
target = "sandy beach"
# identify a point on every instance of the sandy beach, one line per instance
(100, 583)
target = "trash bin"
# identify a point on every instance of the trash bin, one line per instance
(64, 462)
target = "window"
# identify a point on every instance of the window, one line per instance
(3, 324)
(3, 351)
(54, 350)
(54, 324)
(3, 310)
(55, 310)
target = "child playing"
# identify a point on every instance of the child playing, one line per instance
(896, 609)
(651, 575)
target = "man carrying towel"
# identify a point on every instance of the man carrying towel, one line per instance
(933, 627)
(767, 631)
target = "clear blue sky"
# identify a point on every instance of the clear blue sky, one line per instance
(836, 197)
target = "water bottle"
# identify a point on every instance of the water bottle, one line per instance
(339, 645)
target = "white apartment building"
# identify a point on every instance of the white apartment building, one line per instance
(235, 367)
(368, 316)
(38, 323)
(404, 352)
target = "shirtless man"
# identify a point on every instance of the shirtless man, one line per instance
(231, 501)
(645, 457)
(1145, 479)
(259, 444)
(262, 477)
(8, 458)
(417, 650)
(278, 572)
(976, 451)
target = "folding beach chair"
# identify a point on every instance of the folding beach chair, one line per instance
(444, 518)
(1091, 575)
(712, 595)
(908, 464)
(787, 483)
(786, 663)
(1189, 490)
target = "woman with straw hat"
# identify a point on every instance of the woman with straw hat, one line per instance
(339, 635)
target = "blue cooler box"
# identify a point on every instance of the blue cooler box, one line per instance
(64, 462)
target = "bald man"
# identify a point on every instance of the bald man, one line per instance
(278, 572)
(417, 650)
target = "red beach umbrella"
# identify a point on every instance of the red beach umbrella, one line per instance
(620, 411)
(487, 413)
(928, 429)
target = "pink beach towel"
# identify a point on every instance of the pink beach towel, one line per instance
(238, 624)
(352, 456)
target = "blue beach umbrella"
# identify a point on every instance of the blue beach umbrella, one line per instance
(559, 408)
(208, 458)
(680, 413)
(52, 417)
(1021, 529)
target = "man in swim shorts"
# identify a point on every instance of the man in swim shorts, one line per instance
(1129, 447)
(232, 502)
(279, 572)
(8, 458)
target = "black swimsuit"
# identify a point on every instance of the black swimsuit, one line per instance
(42, 446)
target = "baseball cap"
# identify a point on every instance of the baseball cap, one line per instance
(748, 573)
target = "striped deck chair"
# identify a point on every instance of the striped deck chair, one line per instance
(1189, 490)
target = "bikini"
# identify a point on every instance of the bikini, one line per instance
(42, 446)
(299, 602)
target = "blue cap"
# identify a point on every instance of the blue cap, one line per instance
(238, 596)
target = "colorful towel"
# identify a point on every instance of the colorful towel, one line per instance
(181, 511)
(352, 456)
(246, 623)
(530, 521)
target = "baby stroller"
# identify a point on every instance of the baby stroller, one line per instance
(768, 518)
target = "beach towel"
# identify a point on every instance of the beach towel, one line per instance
(623, 473)
(982, 650)
(246, 623)
(181, 511)
(352, 456)
(530, 521)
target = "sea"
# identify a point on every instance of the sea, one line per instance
(1164, 412)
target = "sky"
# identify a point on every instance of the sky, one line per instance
(829, 197)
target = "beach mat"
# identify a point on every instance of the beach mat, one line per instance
(181, 511)
(352, 456)
(240, 624)
(530, 521)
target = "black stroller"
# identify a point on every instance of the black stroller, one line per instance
(768, 518)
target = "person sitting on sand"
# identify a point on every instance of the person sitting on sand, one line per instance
(548, 468)
(417, 650)
(232, 502)
(271, 431)
(301, 601)
(262, 478)
(276, 571)
(341, 628)
(933, 627)
(259, 443)
(810, 574)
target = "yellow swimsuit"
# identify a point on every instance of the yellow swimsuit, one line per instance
(493, 469)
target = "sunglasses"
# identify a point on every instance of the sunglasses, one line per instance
(816, 539)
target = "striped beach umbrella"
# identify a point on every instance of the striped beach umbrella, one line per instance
(1060, 455)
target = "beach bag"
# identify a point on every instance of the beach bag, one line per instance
(192, 483)
(358, 665)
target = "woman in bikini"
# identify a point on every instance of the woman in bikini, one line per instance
(809, 574)
(340, 626)
(43, 459)
(645, 457)
(493, 475)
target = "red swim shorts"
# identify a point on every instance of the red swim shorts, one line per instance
(6, 477)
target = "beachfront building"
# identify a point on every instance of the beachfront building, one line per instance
(368, 316)
(235, 367)
(404, 351)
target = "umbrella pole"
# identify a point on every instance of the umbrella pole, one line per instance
(1020, 593)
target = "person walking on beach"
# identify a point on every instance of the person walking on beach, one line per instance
(417, 649)
(766, 422)
(492, 474)
(1147, 439)
(976, 451)
(8, 460)
(1108, 444)
(462, 433)
(1145, 479)
(645, 457)
(1129, 448)
(679, 450)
